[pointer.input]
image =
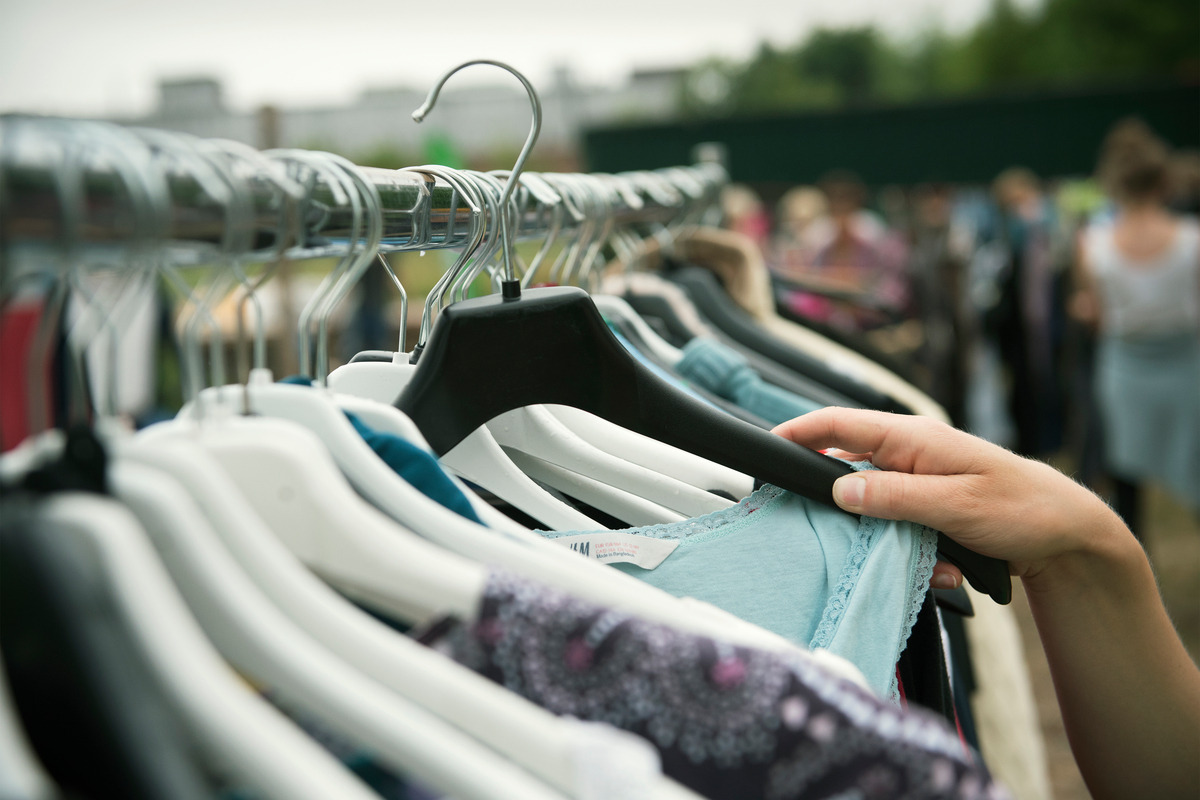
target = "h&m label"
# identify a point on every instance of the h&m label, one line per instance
(613, 546)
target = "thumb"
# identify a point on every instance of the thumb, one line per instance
(893, 495)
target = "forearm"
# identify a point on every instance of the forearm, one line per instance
(1129, 693)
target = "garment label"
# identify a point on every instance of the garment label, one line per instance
(613, 546)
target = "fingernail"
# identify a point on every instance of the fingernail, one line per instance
(849, 491)
(945, 581)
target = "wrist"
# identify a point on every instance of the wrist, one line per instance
(1103, 555)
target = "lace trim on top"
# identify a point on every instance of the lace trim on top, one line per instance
(921, 570)
(766, 499)
(698, 529)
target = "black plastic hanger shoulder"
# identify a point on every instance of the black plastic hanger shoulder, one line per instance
(492, 354)
(723, 312)
(82, 467)
(489, 355)
(635, 338)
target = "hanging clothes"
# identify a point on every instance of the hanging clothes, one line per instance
(726, 373)
(91, 706)
(728, 722)
(812, 574)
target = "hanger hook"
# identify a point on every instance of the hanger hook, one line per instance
(512, 288)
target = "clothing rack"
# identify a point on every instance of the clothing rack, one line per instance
(49, 165)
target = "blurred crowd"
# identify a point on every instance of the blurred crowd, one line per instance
(1057, 318)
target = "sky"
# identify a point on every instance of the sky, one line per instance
(104, 57)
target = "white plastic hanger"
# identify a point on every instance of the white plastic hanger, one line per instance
(653, 454)
(261, 642)
(660, 348)
(536, 432)
(295, 486)
(389, 419)
(243, 735)
(383, 382)
(629, 508)
(480, 459)
(542, 743)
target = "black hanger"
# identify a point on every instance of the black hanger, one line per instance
(706, 292)
(635, 338)
(489, 355)
(654, 307)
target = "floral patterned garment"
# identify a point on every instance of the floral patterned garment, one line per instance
(731, 723)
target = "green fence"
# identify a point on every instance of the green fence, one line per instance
(966, 141)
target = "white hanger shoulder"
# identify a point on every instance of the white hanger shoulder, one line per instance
(478, 458)
(536, 432)
(292, 483)
(535, 739)
(264, 644)
(237, 728)
(617, 307)
(625, 506)
(653, 454)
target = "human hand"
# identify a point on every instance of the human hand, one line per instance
(981, 495)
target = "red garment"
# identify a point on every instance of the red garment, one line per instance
(18, 328)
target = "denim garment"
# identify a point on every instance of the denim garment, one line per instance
(725, 372)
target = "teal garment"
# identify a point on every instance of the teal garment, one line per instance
(417, 467)
(724, 372)
(1148, 393)
(812, 574)
(657, 370)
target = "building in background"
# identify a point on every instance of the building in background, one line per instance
(475, 122)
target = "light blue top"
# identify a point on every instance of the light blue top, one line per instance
(726, 373)
(810, 573)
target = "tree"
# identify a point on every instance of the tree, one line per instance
(1059, 43)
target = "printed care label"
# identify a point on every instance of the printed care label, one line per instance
(613, 546)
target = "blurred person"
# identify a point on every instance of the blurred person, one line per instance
(1139, 280)
(1081, 202)
(856, 273)
(1027, 318)
(745, 213)
(936, 272)
(803, 224)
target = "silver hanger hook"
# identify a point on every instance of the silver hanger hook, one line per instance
(530, 141)
(490, 190)
(344, 193)
(146, 192)
(288, 194)
(373, 209)
(546, 196)
(179, 152)
(461, 185)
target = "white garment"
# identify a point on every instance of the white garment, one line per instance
(1158, 297)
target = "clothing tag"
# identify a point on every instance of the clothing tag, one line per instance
(611, 547)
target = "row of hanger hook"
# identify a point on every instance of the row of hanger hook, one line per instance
(180, 201)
